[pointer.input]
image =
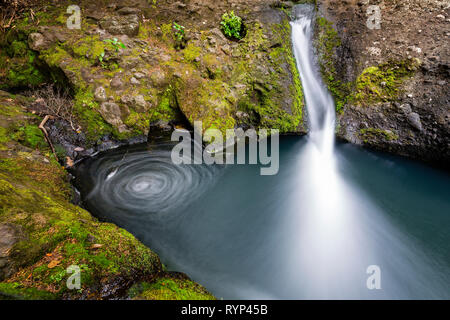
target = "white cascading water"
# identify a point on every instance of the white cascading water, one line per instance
(334, 226)
(318, 101)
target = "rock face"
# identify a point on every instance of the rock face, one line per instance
(9, 235)
(392, 79)
(126, 69)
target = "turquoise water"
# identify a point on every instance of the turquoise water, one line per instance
(245, 236)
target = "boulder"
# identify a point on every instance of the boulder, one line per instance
(111, 112)
(414, 120)
(125, 24)
(100, 94)
(37, 41)
(140, 104)
(9, 236)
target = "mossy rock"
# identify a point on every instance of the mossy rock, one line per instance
(382, 83)
(169, 288)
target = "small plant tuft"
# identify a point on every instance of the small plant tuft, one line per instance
(115, 43)
(232, 25)
(179, 36)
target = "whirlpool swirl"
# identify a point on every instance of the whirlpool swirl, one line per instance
(146, 181)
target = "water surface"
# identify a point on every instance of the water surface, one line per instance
(247, 236)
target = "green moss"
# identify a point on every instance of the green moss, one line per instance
(90, 47)
(34, 196)
(167, 32)
(169, 289)
(191, 52)
(262, 104)
(327, 40)
(146, 30)
(15, 290)
(54, 56)
(30, 136)
(213, 66)
(17, 49)
(383, 82)
(4, 138)
(371, 134)
(86, 111)
(21, 69)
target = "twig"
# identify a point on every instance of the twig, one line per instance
(41, 126)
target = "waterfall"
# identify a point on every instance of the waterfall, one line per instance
(319, 102)
(333, 223)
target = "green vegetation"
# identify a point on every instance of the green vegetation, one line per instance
(115, 43)
(371, 134)
(382, 83)
(19, 66)
(85, 109)
(178, 35)
(327, 41)
(232, 25)
(178, 32)
(30, 136)
(169, 289)
(191, 52)
(14, 290)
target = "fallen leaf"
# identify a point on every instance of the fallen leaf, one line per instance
(53, 264)
(69, 162)
(96, 246)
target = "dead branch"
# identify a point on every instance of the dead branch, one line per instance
(47, 138)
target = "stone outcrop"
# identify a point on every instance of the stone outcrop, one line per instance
(391, 83)
(126, 71)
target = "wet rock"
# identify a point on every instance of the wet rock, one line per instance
(111, 112)
(414, 120)
(134, 81)
(159, 78)
(140, 104)
(37, 41)
(116, 83)
(9, 236)
(100, 94)
(159, 130)
(405, 108)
